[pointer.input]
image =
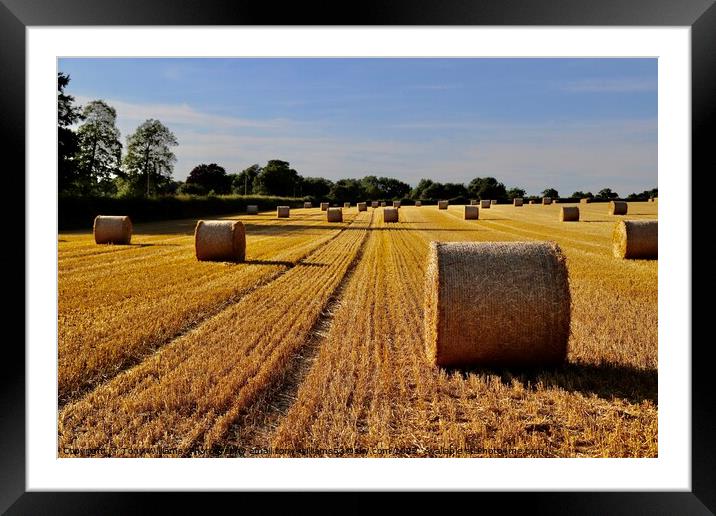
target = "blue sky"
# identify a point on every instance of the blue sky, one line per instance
(571, 124)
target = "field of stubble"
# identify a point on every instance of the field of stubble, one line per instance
(314, 345)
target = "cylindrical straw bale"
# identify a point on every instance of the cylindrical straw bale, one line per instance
(324, 206)
(252, 209)
(496, 304)
(374, 204)
(396, 204)
(362, 206)
(569, 214)
(307, 205)
(517, 201)
(112, 229)
(637, 239)
(485, 204)
(585, 200)
(282, 212)
(472, 213)
(532, 202)
(418, 203)
(442, 205)
(382, 204)
(390, 215)
(493, 201)
(546, 200)
(334, 215)
(346, 205)
(220, 241)
(474, 202)
(617, 208)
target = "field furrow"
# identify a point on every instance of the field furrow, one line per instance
(123, 309)
(371, 388)
(185, 396)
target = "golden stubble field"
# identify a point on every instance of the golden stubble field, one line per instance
(314, 346)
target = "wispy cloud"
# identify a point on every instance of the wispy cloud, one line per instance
(183, 114)
(624, 85)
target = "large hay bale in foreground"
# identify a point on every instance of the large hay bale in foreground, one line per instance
(346, 205)
(585, 200)
(282, 212)
(112, 229)
(472, 213)
(252, 209)
(334, 215)
(362, 206)
(474, 202)
(418, 203)
(496, 304)
(324, 206)
(390, 214)
(517, 201)
(396, 204)
(618, 208)
(442, 205)
(569, 214)
(546, 200)
(637, 239)
(220, 240)
(485, 204)
(374, 204)
(307, 205)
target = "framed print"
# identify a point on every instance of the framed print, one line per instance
(416, 249)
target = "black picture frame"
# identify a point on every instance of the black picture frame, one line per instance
(700, 15)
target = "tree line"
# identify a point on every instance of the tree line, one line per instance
(91, 162)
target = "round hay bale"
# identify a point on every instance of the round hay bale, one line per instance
(442, 205)
(334, 215)
(252, 209)
(418, 203)
(485, 204)
(493, 201)
(396, 204)
(307, 205)
(618, 208)
(532, 202)
(546, 200)
(282, 212)
(585, 200)
(362, 206)
(636, 239)
(220, 241)
(517, 201)
(569, 214)
(390, 215)
(496, 304)
(324, 206)
(474, 202)
(346, 205)
(112, 229)
(374, 204)
(472, 213)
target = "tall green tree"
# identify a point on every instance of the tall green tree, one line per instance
(277, 178)
(100, 152)
(582, 195)
(209, 178)
(317, 187)
(347, 190)
(607, 193)
(550, 192)
(515, 192)
(486, 188)
(150, 161)
(243, 182)
(67, 146)
(393, 188)
(417, 192)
